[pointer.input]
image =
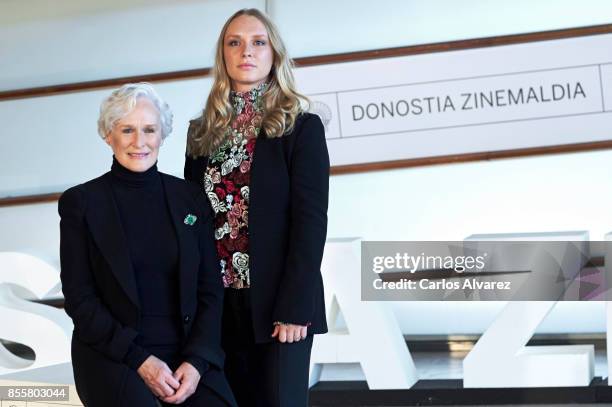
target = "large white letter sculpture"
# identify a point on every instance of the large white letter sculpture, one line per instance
(500, 357)
(372, 336)
(45, 329)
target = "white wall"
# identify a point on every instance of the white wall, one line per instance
(355, 25)
(551, 193)
(75, 45)
(43, 43)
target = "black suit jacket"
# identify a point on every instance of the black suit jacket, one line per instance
(100, 290)
(289, 189)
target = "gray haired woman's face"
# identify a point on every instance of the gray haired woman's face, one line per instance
(136, 137)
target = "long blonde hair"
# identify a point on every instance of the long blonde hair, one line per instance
(281, 101)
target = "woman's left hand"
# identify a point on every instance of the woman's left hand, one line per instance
(289, 332)
(189, 377)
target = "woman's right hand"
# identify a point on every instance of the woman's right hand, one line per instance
(158, 377)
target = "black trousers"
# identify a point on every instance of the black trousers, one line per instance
(137, 393)
(271, 374)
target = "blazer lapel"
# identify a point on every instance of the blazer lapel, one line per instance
(189, 258)
(106, 229)
(254, 179)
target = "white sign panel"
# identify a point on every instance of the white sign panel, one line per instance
(457, 102)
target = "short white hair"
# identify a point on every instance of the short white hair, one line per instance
(121, 102)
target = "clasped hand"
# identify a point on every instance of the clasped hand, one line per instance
(173, 388)
(289, 332)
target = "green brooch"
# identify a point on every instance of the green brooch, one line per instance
(190, 219)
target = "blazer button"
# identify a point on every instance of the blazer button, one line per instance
(187, 319)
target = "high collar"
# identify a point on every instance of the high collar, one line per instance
(250, 97)
(132, 179)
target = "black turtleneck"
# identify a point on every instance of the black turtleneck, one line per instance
(153, 248)
(151, 240)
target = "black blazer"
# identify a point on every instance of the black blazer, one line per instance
(289, 189)
(100, 290)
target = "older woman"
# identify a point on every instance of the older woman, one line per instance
(264, 166)
(138, 271)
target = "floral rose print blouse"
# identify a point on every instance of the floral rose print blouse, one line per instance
(226, 183)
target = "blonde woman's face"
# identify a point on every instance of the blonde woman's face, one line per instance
(247, 52)
(136, 137)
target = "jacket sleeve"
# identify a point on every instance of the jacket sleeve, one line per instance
(309, 178)
(187, 169)
(204, 340)
(190, 162)
(94, 324)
